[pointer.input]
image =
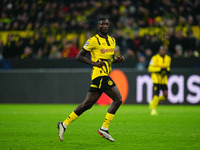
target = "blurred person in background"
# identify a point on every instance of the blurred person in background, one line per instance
(1, 49)
(155, 44)
(27, 54)
(130, 51)
(178, 51)
(10, 48)
(148, 54)
(192, 43)
(136, 42)
(54, 52)
(70, 50)
(159, 67)
(52, 18)
(179, 39)
(121, 41)
(39, 54)
(39, 42)
(145, 42)
(141, 65)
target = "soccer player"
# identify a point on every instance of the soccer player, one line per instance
(159, 68)
(102, 49)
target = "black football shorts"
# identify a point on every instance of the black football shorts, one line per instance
(102, 84)
(158, 87)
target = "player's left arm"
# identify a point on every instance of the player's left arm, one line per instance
(118, 59)
(166, 69)
(166, 64)
(169, 64)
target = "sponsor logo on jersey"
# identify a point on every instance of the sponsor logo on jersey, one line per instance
(106, 50)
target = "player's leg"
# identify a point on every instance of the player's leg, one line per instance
(115, 95)
(89, 101)
(165, 93)
(163, 97)
(155, 95)
(158, 99)
(155, 101)
(154, 105)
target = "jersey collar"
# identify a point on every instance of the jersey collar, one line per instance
(102, 36)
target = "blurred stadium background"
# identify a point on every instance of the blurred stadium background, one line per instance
(40, 39)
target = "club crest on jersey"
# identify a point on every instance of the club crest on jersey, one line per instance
(106, 50)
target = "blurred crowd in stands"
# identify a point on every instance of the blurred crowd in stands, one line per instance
(52, 20)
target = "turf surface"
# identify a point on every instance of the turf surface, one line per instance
(33, 126)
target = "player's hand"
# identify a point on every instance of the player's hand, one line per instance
(100, 64)
(163, 72)
(120, 58)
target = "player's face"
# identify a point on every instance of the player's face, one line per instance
(103, 26)
(163, 50)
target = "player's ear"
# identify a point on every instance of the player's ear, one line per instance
(109, 22)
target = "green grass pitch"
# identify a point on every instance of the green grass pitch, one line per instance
(34, 127)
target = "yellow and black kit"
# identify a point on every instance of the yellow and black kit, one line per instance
(101, 49)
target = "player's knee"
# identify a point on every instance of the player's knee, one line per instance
(118, 101)
(165, 94)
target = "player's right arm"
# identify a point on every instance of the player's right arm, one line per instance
(82, 58)
(153, 67)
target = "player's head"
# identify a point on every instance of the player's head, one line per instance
(162, 50)
(103, 25)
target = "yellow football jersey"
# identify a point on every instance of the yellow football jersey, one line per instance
(101, 49)
(156, 64)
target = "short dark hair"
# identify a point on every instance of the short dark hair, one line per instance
(163, 46)
(102, 18)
